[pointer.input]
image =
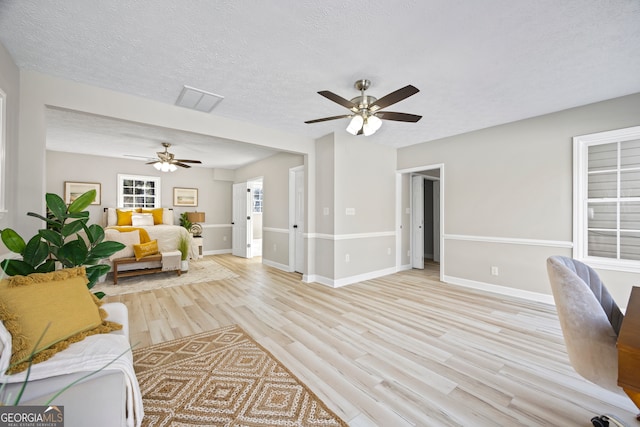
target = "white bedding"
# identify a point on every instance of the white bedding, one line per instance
(168, 237)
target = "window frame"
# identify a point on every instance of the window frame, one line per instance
(581, 146)
(157, 187)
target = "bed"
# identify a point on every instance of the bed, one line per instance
(135, 226)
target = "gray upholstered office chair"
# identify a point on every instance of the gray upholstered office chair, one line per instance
(590, 320)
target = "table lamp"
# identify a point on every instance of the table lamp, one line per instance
(196, 218)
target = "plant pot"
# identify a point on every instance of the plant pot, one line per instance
(184, 265)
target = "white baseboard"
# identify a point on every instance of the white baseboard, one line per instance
(337, 283)
(217, 252)
(405, 267)
(503, 290)
(277, 265)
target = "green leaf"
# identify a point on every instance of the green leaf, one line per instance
(14, 267)
(47, 267)
(57, 206)
(73, 253)
(94, 272)
(106, 249)
(73, 227)
(95, 234)
(13, 241)
(83, 214)
(35, 252)
(52, 237)
(100, 294)
(82, 201)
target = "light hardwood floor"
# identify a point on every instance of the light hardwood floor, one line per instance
(400, 350)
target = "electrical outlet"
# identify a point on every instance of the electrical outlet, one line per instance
(275, 248)
(224, 238)
(346, 258)
(388, 251)
(494, 270)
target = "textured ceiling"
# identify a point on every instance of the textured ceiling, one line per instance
(476, 63)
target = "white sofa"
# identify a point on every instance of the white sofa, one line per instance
(109, 398)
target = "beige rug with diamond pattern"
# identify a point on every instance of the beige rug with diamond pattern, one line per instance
(223, 378)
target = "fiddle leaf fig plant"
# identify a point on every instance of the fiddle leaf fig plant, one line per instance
(67, 239)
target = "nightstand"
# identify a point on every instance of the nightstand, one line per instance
(198, 242)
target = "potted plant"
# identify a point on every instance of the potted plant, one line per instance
(67, 240)
(184, 221)
(183, 247)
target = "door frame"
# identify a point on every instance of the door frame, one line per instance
(400, 213)
(244, 251)
(292, 216)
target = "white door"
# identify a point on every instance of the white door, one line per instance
(417, 222)
(436, 221)
(241, 224)
(298, 224)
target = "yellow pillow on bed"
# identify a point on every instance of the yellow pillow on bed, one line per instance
(145, 249)
(157, 213)
(124, 216)
(58, 302)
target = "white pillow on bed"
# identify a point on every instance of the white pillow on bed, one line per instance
(128, 239)
(112, 217)
(141, 220)
(167, 216)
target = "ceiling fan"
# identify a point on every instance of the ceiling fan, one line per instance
(365, 110)
(166, 162)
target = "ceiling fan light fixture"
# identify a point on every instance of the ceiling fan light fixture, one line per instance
(371, 125)
(355, 124)
(157, 165)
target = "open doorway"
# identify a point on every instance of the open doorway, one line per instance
(257, 199)
(247, 218)
(426, 211)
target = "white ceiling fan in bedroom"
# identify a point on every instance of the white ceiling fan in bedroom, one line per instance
(166, 161)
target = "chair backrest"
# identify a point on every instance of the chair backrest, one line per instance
(592, 280)
(589, 334)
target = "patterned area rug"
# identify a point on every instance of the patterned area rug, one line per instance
(202, 270)
(223, 378)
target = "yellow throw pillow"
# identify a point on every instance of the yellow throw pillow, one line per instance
(58, 302)
(157, 213)
(145, 249)
(124, 217)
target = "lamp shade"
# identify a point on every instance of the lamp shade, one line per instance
(355, 124)
(371, 125)
(195, 216)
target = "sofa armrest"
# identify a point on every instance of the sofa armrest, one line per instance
(118, 312)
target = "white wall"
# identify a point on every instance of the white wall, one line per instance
(508, 195)
(10, 85)
(355, 209)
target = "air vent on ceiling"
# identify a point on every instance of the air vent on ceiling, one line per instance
(198, 99)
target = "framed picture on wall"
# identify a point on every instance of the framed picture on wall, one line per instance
(185, 196)
(74, 189)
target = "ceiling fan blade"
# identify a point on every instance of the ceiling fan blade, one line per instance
(153, 162)
(398, 117)
(187, 161)
(328, 118)
(338, 99)
(138, 157)
(182, 165)
(394, 97)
